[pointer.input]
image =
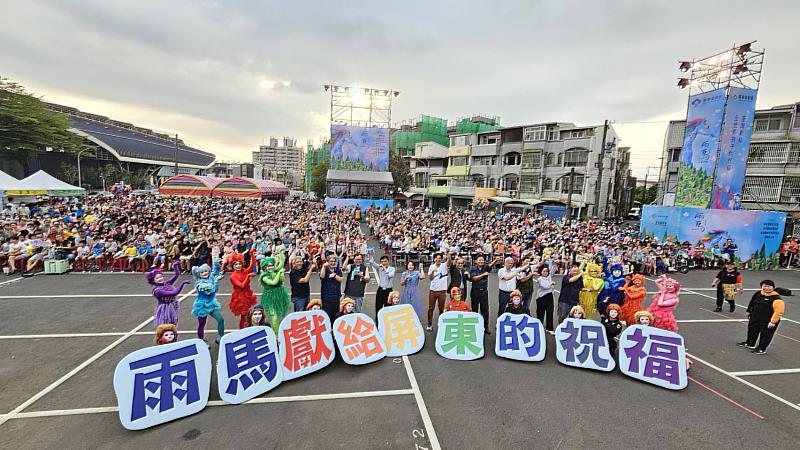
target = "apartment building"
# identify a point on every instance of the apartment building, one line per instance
(230, 169)
(525, 167)
(772, 178)
(281, 161)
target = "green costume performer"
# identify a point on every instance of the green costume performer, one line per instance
(274, 297)
(592, 285)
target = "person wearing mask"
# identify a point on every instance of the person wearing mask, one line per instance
(437, 294)
(385, 282)
(728, 283)
(571, 286)
(356, 282)
(507, 281)
(764, 315)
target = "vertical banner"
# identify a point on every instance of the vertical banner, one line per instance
(699, 154)
(734, 144)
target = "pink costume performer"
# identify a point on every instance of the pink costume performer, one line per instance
(664, 302)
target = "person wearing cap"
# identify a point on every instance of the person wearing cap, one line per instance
(764, 315)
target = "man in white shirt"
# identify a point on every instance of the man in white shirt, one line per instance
(507, 281)
(438, 274)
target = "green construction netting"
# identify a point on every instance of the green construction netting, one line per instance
(432, 129)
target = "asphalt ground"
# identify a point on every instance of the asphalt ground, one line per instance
(62, 336)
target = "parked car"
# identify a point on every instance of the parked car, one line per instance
(635, 213)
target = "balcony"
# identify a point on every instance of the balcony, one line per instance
(673, 166)
(484, 150)
(458, 150)
(463, 191)
(765, 153)
(438, 191)
(509, 147)
(457, 171)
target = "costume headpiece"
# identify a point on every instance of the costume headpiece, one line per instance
(592, 267)
(453, 291)
(344, 303)
(236, 257)
(151, 277)
(313, 302)
(268, 261)
(639, 277)
(638, 314)
(197, 270)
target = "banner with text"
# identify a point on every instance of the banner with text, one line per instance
(700, 145)
(757, 234)
(740, 110)
(359, 148)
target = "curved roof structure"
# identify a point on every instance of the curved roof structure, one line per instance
(132, 146)
(189, 185)
(239, 187)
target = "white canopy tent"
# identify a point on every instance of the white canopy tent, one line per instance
(8, 183)
(42, 183)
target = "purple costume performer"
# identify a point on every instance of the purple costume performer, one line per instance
(166, 310)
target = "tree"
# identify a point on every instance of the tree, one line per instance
(69, 172)
(400, 172)
(318, 176)
(28, 127)
(645, 196)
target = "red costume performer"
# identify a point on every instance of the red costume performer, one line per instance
(242, 298)
(635, 292)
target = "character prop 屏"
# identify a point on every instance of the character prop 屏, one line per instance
(167, 306)
(166, 333)
(635, 293)
(274, 296)
(242, 298)
(592, 285)
(664, 302)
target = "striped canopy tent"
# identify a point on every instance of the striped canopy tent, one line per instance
(186, 185)
(239, 187)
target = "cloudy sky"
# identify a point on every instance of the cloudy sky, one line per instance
(228, 74)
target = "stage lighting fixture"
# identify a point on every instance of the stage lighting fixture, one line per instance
(683, 82)
(742, 50)
(741, 68)
(685, 66)
(327, 86)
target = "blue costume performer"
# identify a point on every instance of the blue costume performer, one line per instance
(207, 283)
(612, 293)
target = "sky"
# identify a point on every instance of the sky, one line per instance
(227, 75)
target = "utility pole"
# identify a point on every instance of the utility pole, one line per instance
(176, 153)
(598, 184)
(569, 195)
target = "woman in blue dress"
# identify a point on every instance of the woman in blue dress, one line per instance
(410, 280)
(206, 282)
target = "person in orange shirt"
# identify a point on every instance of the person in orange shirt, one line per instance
(764, 313)
(455, 303)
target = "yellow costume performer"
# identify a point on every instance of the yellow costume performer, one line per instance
(592, 285)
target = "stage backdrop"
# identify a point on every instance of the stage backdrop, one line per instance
(700, 146)
(734, 144)
(362, 203)
(757, 234)
(359, 148)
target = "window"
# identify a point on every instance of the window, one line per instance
(552, 135)
(576, 157)
(797, 120)
(511, 183)
(577, 182)
(491, 183)
(531, 160)
(458, 161)
(548, 159)
(558, 184)
(478, 181)
(486, 139)
(421, 180)
(512, 159)
(531, 134)
(548, 184)
(767, 124)
(674, 154)
(529, 184)
(761, 189)
(560, 156)
(575, 134)
(459, 140)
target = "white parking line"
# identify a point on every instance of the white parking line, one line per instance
(113, 333)
(423, 410)
(711, 320)
(765, 372)
(13, 280)
(258, 400)
(746, 383)
(82, 366)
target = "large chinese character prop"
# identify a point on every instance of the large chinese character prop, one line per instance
(358, 340)
(306, 343)
(158, 384)
(460, 335)
(520, 337)
(401, 330)
(248, 365)
(653, 355)
(583, 343)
